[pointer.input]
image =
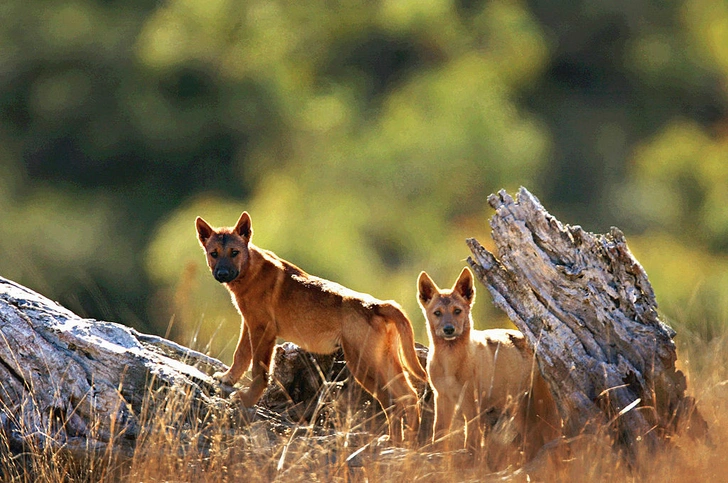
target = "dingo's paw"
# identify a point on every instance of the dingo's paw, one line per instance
(224, 378)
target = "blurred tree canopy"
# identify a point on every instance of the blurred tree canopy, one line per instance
(363, 137)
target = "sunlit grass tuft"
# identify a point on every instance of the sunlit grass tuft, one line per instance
(228, 443)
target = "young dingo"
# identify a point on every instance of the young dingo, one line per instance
(278, 299)
(485, 382)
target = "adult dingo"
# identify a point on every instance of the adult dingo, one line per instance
(278, 299)
(485, 382)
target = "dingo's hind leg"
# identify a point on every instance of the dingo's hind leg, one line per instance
(374, 362)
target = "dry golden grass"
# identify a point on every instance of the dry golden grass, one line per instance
(217, 447)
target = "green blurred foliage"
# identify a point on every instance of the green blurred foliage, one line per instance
(363, 138)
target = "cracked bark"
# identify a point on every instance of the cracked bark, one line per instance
(588, 310)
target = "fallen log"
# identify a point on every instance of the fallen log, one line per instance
(589, 313)
(81, 384)
(84, 387)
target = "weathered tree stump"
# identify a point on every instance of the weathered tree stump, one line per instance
(588, 311)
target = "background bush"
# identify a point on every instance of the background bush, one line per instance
(363, 138)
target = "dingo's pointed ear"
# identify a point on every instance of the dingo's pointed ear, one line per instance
(204, 231)
(464, 285)
(244, 226)
(426, 288)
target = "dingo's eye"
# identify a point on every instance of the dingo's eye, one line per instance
(457, 311)
(213, 254)
(437, 313)
(234, 253)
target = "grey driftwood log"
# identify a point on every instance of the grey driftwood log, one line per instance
(80, 385)
(588, 310)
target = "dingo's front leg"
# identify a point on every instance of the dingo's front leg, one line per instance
(265, 342)
(443, 436)
(241, 359)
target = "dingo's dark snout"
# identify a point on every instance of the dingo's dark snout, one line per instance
(225, 274)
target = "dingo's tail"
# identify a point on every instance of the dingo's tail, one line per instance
(391, 311)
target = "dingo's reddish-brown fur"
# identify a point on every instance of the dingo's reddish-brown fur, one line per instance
(485, 382)
(278, 299)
